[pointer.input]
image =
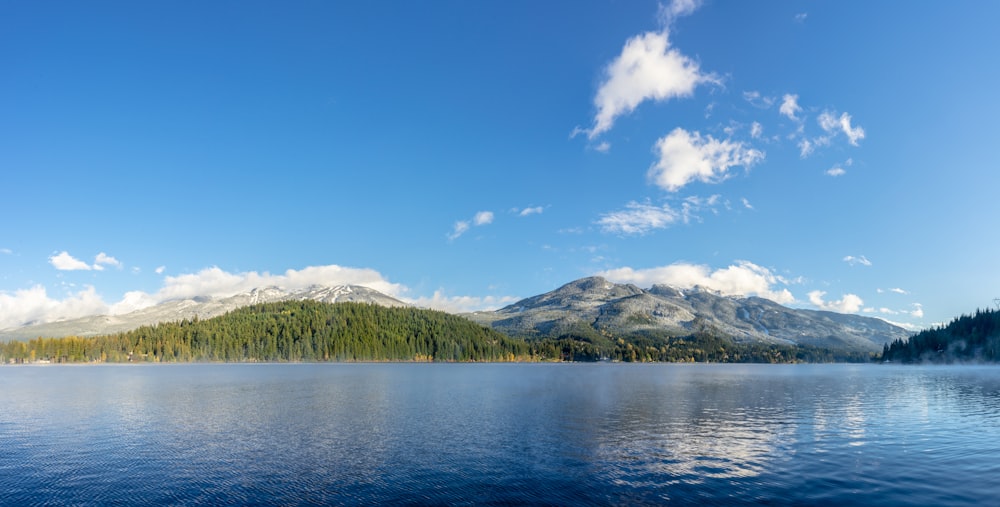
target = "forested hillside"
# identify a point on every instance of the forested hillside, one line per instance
(288, 331)
(967, 338)
(314, 331)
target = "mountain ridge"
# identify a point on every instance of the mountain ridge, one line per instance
(593, 302)
(627, 309)
(202, 307)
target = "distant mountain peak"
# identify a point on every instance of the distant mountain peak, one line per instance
(625, 308)
(202, 307)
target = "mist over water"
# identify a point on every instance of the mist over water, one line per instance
(562, 434)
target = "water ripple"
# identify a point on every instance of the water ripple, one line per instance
(197, 435)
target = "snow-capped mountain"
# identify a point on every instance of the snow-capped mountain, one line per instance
(201, 307)
(624, 308)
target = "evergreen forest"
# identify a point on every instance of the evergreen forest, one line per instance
(969, 338)
(310, 331)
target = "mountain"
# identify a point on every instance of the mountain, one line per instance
(201, 307)
(624, 309)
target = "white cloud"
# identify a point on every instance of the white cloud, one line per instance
(790, 106)
(897, 290)
(647, 69)
(461, 304)
(160, 269)
(6, 251)
(746, 203)
(854, 134)
(854, 261)
(104, 259)
(801, 17)
(483, 218)
(756, 130)
(603, 147)
(742, 279)
(830, 123)
(918, 311)
(537, 210)
(850, 303)
(35, 306)
(638, 218)
(685, 157)
(838, 170)
(63, 261)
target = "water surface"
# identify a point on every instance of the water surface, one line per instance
(555, 434)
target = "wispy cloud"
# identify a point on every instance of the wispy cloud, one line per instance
(685, 157)
(104, 259)
(461, 304)
(638, 218)
(6, 251)
(462, 226)
(743, 278)
(757, 100)
(854, 261)
(830, 123)
(535, 210)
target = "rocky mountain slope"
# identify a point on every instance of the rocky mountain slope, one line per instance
(203, 308)
(625, 308)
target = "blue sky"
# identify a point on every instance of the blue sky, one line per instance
(462, 155)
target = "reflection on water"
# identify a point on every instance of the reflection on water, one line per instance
(564, 434)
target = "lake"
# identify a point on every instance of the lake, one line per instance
(535, 434)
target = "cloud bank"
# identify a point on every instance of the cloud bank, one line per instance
(849, 303)
(741, 279)
(36, 306)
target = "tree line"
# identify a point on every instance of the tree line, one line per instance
(312, 331)
(288, 331)
(973, 337)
